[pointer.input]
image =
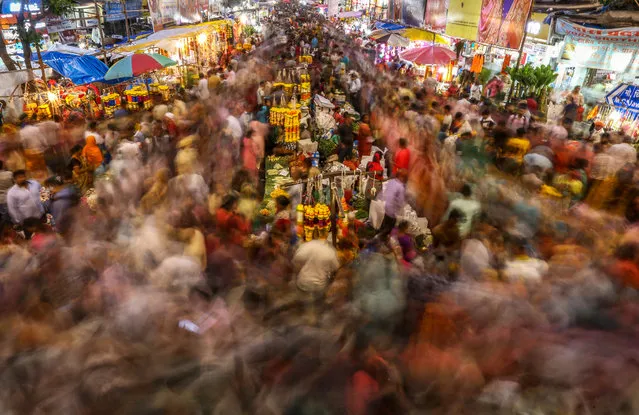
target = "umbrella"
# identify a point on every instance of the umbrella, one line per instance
(415, 34)
(137, 64)
(394, 40)
(429, 55)
(376, 34)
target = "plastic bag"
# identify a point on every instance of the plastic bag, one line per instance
(376, 213)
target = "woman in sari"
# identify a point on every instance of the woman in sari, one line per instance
(81, 171)
(92, 154)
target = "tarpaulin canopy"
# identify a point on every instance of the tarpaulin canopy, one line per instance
(175, 33)
(79, 69)
(389, 26)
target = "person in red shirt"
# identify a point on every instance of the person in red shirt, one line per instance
(402, 157)
(375, 166)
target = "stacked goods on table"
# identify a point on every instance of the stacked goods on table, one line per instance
(111, 103)
(277, 174)
(317, 221)
(136, 95)
(305, 89)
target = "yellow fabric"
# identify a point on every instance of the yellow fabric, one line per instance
(516, 148)
(550, 191)
(422, 35)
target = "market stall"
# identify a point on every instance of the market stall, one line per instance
(192, 47)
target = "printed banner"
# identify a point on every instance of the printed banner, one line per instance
(435, 18)
(489, 22)
(463, 19)
(413, 12)
(514, 16)
(502, 22)
(595, 54)
(626, 34)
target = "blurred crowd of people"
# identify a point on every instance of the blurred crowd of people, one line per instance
(137, 278)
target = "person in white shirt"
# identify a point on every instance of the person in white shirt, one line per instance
(23, 199)
(261, 93)
(522, 268)
(315, 261)
(469, 207)
(92, 130)
(476, 91)
(355, 84)
(202, 90)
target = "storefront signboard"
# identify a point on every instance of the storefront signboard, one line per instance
(113, 10)
(59, 25)
(592, 53)
(625, 96)
(13, 6)
(626, 34)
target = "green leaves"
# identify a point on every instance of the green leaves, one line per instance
(533, 80)
(59, 7)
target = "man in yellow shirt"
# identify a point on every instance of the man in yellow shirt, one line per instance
(516, 149)
(214, 80)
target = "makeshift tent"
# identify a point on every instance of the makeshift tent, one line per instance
(79, 69)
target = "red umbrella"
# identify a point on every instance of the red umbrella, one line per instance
(429, 55)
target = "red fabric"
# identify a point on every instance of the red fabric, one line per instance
(626, 273)
(532, 105)
(232, 227)
(360, 393)
(249, 160)
(402, 160)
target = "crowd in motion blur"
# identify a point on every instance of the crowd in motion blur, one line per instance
(496, 271)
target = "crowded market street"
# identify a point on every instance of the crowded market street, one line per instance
(308, 228)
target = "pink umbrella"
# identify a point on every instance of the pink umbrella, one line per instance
(429, 55)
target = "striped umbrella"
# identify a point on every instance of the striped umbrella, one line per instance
(137, 64)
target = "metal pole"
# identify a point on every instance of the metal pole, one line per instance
(101, 31)
(126, 22)
(521, 52)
